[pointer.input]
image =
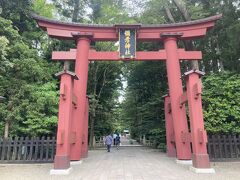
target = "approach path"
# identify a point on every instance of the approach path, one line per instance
(129, 142)
(127, 163)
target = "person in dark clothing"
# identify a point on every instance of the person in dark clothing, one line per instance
(117, 141)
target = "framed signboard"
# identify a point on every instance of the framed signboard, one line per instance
(127, 43)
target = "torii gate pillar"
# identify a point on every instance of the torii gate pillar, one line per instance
(198, 133)
(62, 157)
(80, 90)
(175, 91)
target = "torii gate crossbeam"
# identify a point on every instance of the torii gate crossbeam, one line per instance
(114, 56)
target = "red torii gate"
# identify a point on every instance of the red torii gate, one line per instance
(72, 125)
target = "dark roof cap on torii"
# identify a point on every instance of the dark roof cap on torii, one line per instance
(72, 74)
(105, 32)
(204, 20)
(200, 73)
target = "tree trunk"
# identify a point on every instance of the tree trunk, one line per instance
(93, 113)
(221, 65)
(6, 130)
(66, 65)
(189, 47)
(169, 14)
(188, 44)
(92, 124)
(96, 97)
(183, 9)
(76, 10)
(93, 116)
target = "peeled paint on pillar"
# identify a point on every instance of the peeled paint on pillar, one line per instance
(171, 150)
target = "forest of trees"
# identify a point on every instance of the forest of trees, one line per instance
(27, 73)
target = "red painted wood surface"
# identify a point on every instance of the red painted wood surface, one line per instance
(198, 133)
(80, 90)
(114, 56)
(63, 30)
(171, 150)
(62, 157)
(175, 91)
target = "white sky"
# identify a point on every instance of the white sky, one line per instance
(122, 92)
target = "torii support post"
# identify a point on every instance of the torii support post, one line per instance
(85, 130)
(175, 91)
(62, 157)
(80, 90)
(171, 150)
(198, 134)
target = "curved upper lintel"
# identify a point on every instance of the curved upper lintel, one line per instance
(64, 30)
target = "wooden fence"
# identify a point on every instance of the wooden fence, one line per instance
(98, 143)
(42, 150)
(146, 142)
(220, 147)
(224, 147)
(28, 150)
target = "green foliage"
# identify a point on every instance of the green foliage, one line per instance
(221, 102)
(40, 109)
(31, 100)
(221, 46)
(32, 92)
(42, 8)
(3, 53)
(153, 12)
(103, 83)
(16, 11)
(26, 79)
(143, 105)
(104, 77)
(67, 9)
(221, 51)
(157, 136)
(107, 11)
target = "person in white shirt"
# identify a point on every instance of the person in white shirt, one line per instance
(114, 139)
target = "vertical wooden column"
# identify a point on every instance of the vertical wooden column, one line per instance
(62, 157)
(198, 133)
(80, 90)
(85, 130)
(171, 150)
(175, 91)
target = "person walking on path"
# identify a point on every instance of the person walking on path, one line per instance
(108, 142)
(117, 141)
(114, 138)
